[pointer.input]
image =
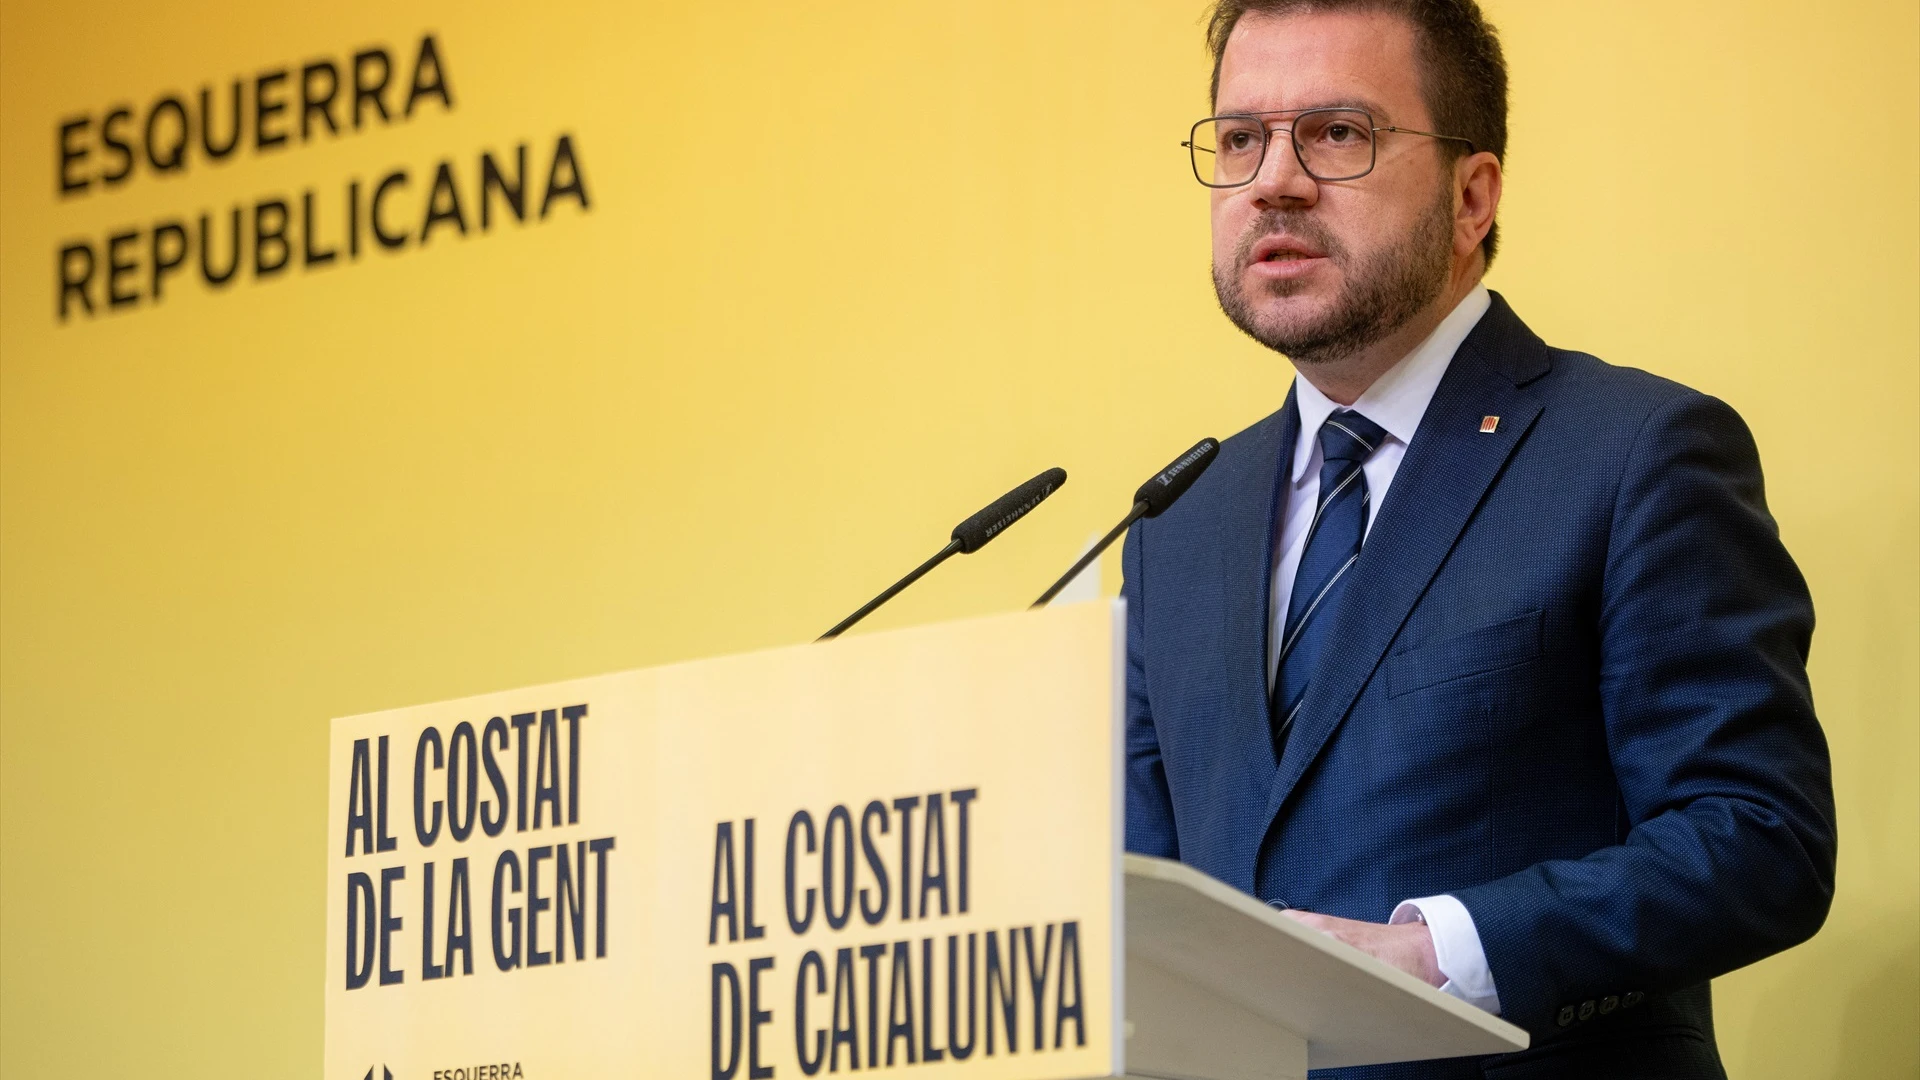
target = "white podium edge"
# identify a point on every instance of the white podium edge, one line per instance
(1502, 1036)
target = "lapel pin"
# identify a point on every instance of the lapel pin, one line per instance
(1489, 425)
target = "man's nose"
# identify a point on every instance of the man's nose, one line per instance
(1281, 181)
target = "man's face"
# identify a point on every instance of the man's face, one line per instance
(1320, 270)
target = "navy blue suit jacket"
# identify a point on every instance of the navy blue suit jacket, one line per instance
(1567, 685)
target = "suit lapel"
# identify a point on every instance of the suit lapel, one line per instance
(1248, 532)
(1440, 483)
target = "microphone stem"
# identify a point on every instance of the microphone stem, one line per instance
(1139, 511)
(839, 628)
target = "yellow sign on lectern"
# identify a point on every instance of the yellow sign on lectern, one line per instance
(899, 851)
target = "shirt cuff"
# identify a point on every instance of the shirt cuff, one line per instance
(1456, 948)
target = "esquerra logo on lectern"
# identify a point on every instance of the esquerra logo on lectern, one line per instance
(503, 1071)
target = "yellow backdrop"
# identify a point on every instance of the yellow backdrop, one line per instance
(833, 276)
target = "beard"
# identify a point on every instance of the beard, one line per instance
(1384, 290)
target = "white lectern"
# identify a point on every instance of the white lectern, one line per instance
(1223, 987)
(895, 852)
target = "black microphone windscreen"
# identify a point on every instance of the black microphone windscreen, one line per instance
(1173, 481)
(974, 532)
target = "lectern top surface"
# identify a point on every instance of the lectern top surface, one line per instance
(1350, 1008)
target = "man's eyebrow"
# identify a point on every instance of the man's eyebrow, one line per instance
(1371, 108)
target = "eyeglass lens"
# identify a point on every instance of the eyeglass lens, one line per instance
(1332, 144)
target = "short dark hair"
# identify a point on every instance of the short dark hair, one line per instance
(1463, 76)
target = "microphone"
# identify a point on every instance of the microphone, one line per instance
(1152, 500)
(968, 537)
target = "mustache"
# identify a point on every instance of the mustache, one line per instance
(1299, 224)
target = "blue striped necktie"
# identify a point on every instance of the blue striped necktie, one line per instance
(1333, 546)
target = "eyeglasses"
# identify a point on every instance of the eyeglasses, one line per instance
(1330, 144)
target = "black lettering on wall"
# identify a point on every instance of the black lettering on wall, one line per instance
(168, 257)
(429, 77)
(575, 183)
(270, 235)
(116, 146)
(216, 152)
(119, 269)
(105, 148)
(164, 155)
(267, 106)
(366, 87)
(75, 284)
(72, 154)
(443, 205)
(311, 254)
(492, 181)
(315, 101)
(387, 239)
(207, 273)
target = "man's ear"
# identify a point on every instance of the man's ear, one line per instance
(1476, 185)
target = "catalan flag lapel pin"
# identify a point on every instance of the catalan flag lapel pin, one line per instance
(1489, 425)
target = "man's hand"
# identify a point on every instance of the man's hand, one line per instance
(1407, 946)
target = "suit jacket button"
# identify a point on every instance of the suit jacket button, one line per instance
(1586, 1010)
(1566, 1016)
(1634, 998)
(1608, 1004)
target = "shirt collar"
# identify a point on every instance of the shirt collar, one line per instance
(1397, 400)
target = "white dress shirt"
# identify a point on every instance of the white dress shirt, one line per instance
(1396, 401)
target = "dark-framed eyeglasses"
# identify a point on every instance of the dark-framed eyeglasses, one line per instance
(1330, 144)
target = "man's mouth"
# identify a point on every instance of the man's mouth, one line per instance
(1284, 249)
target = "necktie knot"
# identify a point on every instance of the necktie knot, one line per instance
(1348, 436)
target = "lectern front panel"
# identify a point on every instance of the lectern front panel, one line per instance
(892, 852)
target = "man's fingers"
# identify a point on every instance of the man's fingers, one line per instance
(1323, 923)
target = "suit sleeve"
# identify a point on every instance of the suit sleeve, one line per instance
(1727, 850)
(1149, 803)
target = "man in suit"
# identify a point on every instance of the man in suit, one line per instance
(1480, 655)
